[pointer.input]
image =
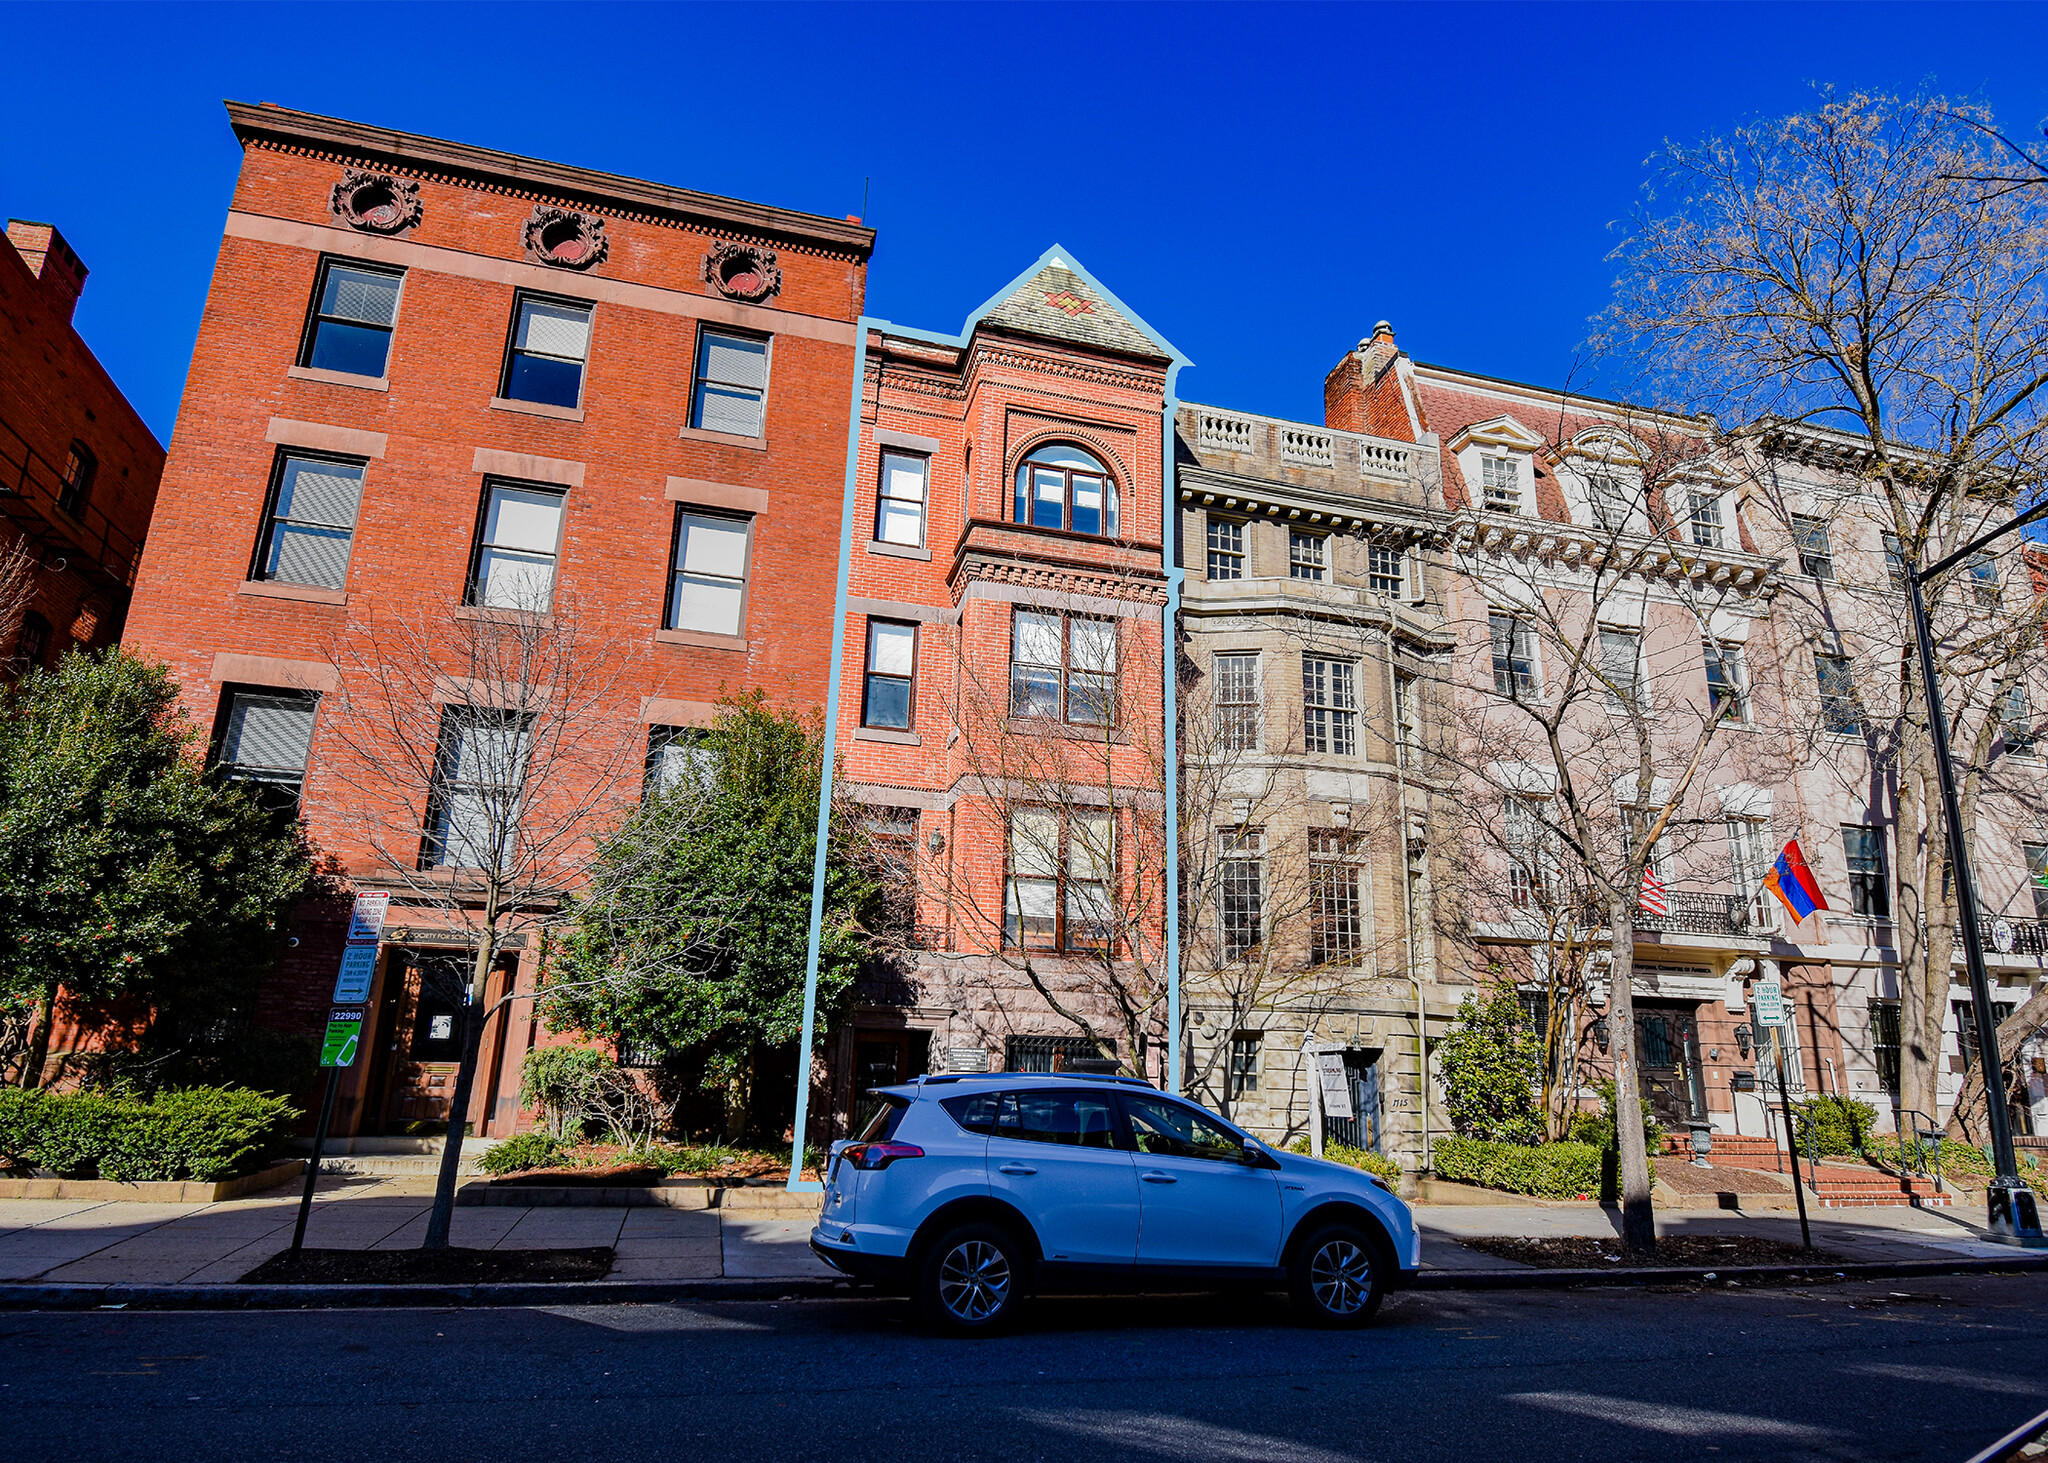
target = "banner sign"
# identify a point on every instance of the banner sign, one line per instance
(358, 968)
(1770, 1003)
(1336, 1085)
(344, 1034)
(366, 921)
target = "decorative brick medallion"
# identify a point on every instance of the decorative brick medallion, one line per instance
(376, 203)
(742, 272)
(1068, 301)
(565, 238)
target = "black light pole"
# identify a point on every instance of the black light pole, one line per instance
(2014, 1215)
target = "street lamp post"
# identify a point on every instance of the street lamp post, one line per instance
(2014, 1215)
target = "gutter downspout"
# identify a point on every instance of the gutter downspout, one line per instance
(1169, 659)
(1407, 884)
(797, 1182)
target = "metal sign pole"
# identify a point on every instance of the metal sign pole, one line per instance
(313, 1163)
(1791, 1136)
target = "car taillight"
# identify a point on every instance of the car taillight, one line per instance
(879, 1155)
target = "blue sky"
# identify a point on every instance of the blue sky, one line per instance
(1262, 183)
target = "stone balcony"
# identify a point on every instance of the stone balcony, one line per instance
(1241, 449)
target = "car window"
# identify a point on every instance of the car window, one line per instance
(1175, 1131)
(975, 1112)
(1081, 1119)
(882, 1126)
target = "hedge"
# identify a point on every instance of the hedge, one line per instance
(202, 1133)
(1377, 1164)
(1545, 1170)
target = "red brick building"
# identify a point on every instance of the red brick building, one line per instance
(78, 469)
(1000, 704)
(439, 382)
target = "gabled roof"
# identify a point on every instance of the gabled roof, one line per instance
(1059, 300)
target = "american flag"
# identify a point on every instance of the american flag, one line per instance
(1650, 898)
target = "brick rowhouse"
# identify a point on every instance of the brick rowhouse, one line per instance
(78, 469)
(1000, 705)
(432, 377)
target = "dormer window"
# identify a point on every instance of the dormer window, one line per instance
(1060, 486)
(1501, 485)
(1610, 500)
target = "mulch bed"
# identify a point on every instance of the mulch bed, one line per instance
(451, 1266)
(1683, 1251)
(618, 1176)
(1685, 1179)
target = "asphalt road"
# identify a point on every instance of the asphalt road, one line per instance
(1929, 1369)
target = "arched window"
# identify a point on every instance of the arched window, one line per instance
(1060, 486)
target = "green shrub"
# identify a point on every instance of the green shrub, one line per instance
(1377, 1164)
(1836, 1124)
(526, 1150)
(201, 1133)
(1598, 1128)
(1492, 1067)
(1545, 1170)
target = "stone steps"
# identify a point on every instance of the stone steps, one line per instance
(1838, 1187)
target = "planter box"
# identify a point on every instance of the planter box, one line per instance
(169, 1192)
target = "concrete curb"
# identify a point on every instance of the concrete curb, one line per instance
(30, 1297)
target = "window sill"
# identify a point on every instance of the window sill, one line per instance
(900, 551)
(729, 439)
(338, 378)
(497, 615)
(305, 593)
(1045, 726)
(537, 409)
(887, 734)
(703, 639)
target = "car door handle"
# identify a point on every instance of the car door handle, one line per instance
(1154, 1176)
(1016, 1168)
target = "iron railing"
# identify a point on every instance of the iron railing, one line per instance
(2005, 934)
(1709, 914)
(32, 494)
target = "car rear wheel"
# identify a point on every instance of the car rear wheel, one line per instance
(1337, 1278)
(971, 1280)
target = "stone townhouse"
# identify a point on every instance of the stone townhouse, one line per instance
(436, 385)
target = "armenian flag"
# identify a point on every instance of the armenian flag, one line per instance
(1793, 882)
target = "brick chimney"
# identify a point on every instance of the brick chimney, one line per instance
(1361, 395)
(50, 259)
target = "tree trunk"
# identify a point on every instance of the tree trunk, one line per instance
(1969, 1120)
(1638, 1216)
(443, 1213)
(39, 1039)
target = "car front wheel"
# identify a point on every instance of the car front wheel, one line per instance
(1337, 1278)
(971, 1280)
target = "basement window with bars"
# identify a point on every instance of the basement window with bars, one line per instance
(354, 308)
(732, 384)
(1053, 1053)
(265, 739)
(310, 522)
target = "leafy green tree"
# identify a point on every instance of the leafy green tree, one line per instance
(1492, 1069)
(126, 871)
(693, 931)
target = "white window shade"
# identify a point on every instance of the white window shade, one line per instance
(710, 575)
(554, 330)
(734, 360)
(322, 493)
(268, 735)
(1094, 645)
(355, 294)
(1038, 638)
(1034, 842)
(520, 518)
(893, 647)
(713, 546)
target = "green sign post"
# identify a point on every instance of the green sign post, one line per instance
(338, 1047)
(344, 1034)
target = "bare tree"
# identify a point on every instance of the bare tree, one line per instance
(485, 750)
(18, 567)
(1588, 757)
(1865, 283)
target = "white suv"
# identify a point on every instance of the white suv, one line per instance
(971, 1192)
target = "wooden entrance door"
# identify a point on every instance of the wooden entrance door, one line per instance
(1668, 1065)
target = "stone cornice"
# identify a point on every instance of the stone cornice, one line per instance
(531, 177)
(1578, 547)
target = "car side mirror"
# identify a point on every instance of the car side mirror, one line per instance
(1255, 1157)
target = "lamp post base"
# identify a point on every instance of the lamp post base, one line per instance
(2014, 1216)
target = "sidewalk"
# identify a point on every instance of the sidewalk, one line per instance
(63, 1241)
(114, 1243)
